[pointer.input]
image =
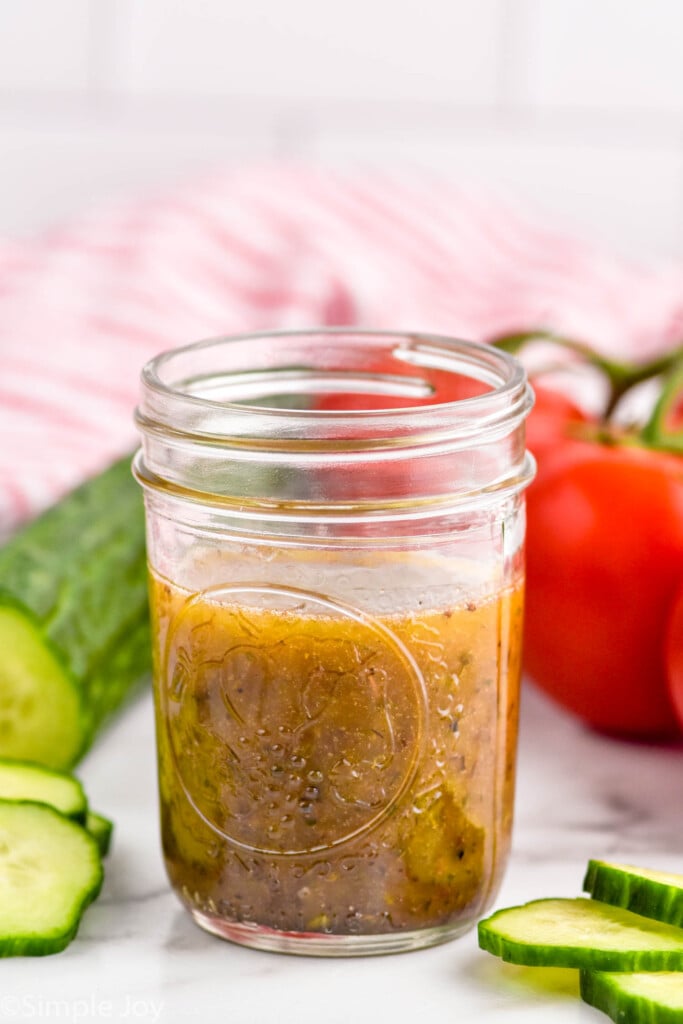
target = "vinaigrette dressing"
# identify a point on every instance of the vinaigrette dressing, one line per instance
(322, 770)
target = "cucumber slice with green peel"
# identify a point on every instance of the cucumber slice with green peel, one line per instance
(581, 933)
(41, 714)
(643, 998)
(23, 781)
(656, 894)
(74, 619)
(50, 870)
(101, 829)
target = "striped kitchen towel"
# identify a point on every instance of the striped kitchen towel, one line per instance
(83, 307)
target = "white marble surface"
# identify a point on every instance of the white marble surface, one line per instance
(139, 957)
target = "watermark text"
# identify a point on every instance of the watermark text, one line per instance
(74, 1011)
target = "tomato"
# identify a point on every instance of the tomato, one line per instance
(674, 654)
(604, 560)
(390, 479)
(550, 425)
(444, 386)
(550, 420)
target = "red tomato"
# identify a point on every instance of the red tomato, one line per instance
(391, 480)
(445, 387)
(604, 560)
(550, 422)
(674, 654)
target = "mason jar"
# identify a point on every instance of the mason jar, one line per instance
(335, 524)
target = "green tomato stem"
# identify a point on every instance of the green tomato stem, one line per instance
(656, 433)
(621, 376)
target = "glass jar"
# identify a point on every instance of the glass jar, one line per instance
(335, 529)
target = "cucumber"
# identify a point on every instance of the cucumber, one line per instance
(50, 870)
(24, 781)
(581, 933)
(655, 894)
(41, 710)
(74, 621)
(641, 998)
(100, 828)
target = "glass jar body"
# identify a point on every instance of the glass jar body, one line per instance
(336, 702)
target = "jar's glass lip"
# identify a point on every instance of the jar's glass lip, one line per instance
(169, 401)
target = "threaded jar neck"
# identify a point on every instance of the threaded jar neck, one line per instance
(336, 421)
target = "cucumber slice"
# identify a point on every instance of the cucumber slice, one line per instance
(41, 717)
(100, 828)
(644, 998)
(23, 781)
(581, 933)
(50, 870)
(655, 894)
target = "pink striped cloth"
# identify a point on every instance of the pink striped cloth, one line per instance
(83, 307)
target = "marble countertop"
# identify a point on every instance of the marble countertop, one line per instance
(139, 957)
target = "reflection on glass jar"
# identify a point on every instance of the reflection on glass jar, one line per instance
(335, 532)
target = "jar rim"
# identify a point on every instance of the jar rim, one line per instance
(171, 401)
(202, 444)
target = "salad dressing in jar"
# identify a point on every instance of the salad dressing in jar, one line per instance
(335, 534)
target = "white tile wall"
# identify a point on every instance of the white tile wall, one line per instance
(601, 54)
(44, 45)
(307, 48)
(575, 105)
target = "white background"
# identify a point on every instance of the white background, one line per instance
(574, 105)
